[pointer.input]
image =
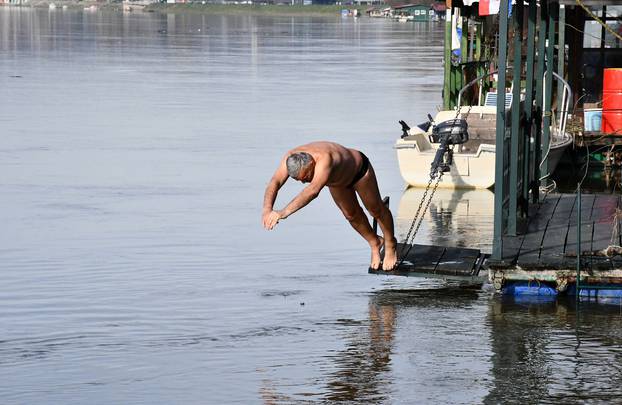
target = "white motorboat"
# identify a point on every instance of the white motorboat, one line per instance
(473, 162)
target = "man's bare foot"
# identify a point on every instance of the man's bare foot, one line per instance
(390, 255)
(375, 253)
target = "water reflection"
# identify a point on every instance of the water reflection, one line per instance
(152, 247)
(547, 352)
(130, 256)
(532, 351)
(462, 218)
(365, 369)
(364, 364)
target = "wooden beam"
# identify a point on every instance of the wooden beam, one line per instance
(561, 53)
(529, 88)
(447, 64)
(497, 246)
(548, 90)
(537, 121)
(517, 29)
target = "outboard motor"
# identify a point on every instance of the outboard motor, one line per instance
(447, 133)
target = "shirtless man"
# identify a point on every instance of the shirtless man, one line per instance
(346, 172)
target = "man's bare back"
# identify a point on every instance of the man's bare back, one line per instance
(341, 161)
(347, 172)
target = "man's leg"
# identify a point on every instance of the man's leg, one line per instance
(367, 189)
(346, 200)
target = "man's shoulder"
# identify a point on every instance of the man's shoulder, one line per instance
(324, 149)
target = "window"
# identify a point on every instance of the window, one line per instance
(614, 11)
(594, 31)
(612, 41)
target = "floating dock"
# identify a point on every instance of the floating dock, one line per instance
(559, 244)
(546, 251)
(543, 255)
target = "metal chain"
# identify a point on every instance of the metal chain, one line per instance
(410, 235)
(438, 181)
(412, 225)
(429, 200)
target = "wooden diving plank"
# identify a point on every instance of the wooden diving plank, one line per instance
(449, 263)
(458, 261)
(423, 257)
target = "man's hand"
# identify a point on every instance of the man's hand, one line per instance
(271, 218)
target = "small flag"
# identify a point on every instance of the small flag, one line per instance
(456, 35)
(488, 7)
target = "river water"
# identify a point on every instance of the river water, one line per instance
(135, 151)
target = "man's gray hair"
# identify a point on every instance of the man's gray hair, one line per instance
(296, 162)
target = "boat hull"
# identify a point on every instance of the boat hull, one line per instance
(472, 170)
(469, 170)
(557, 150)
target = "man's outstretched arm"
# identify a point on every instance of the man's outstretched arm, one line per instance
(309, 193)
(272, 189)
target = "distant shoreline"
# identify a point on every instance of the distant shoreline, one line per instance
(69, 4)
(269, 9)
(198, 8)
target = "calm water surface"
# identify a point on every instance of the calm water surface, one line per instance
(135, 150)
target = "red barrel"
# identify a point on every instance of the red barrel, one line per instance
(612, 101)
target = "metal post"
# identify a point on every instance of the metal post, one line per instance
(517, 27)
(477, 31)
(578, 282)
(464, 46)
(471, 35)
(454, 84)
(464, 42)
(374, 225)
(446, 84)
(478, 56)
(548, 90)
(542, 29)
(531, 50)
(497, 248)
(561, 51)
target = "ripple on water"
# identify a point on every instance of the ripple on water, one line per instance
(280, 293)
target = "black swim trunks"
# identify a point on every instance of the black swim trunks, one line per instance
(362, 171)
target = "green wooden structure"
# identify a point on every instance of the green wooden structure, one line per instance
(522, 167)
(535, 55)
(527, 49)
